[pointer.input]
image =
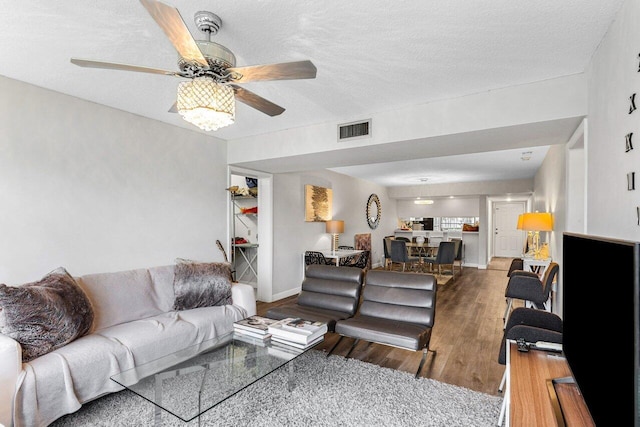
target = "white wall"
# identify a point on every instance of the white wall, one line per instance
(550, 196)
(293, 235)
(536, 102)
(612, 78)
(462, 207)
(95, 189)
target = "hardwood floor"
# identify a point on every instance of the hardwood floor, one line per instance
(466, 333)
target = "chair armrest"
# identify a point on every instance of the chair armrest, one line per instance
(243, 296)
(10, 368)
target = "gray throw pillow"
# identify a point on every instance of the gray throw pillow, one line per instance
(45, 315)
(200, 284)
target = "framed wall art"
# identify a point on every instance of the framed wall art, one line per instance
(317, 203)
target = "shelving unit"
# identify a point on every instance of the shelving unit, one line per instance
(244, 256)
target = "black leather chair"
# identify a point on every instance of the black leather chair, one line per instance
(531, 325)
(397, 309)
(328, 294)
(527, 286)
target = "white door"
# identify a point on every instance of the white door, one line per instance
(508, 240)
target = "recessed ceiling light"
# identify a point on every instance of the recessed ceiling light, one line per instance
(526, 155)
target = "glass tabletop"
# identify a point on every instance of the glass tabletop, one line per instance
(193, 380)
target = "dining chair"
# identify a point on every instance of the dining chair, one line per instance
(400, 255)
(527, 286)
(315, 257)
(446, 256)
(387, 251)
(458, 251)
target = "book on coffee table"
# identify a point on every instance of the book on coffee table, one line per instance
(283, 343)
(250, 334)
(254, 325)
(297, 330)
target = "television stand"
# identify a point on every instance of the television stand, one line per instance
(531, 378)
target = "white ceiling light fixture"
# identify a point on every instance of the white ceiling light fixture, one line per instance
(526, 155)
(206, 104)
(420, 201)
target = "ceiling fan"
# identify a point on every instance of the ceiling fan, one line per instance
(207, 99)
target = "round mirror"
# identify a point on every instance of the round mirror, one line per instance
(373, 211)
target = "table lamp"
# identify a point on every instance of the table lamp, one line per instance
(335, 227)
(534, 223)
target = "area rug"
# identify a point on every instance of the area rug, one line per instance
(331, 391)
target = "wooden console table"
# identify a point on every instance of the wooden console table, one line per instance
(529, 391)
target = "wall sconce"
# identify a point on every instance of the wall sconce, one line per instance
(534, 223)
(334, 227)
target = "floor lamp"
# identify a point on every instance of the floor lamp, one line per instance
(534, 223)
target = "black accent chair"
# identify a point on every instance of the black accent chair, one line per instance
(328, 294)
(397, 309)
(314, 257)
(531, 325)
(527, 286)
(360, 260)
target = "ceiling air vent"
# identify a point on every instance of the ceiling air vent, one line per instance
(354, 130)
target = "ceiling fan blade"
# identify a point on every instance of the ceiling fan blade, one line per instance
(169, 19)
(281, 71)
(257, 102)
(174, 108)
(115, 66)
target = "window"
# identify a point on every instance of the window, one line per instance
(452, 222)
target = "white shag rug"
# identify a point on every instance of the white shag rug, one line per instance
(331, 391)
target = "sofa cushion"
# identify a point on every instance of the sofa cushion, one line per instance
(200, 284)
(121, 296)
(45, 315)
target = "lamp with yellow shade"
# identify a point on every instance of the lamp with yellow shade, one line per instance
(335, 227)
(534, 223)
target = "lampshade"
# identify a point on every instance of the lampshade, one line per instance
(206, 104)
(536, 221)
(335, 226)
(520, 221)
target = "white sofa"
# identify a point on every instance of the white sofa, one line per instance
(134, 323)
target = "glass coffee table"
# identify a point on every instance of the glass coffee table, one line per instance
(191, 381)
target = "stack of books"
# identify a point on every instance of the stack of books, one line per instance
(297, 332)
(254, 326)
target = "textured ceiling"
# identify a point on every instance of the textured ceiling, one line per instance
(371, 56)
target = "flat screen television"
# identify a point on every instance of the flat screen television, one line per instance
(600, 339)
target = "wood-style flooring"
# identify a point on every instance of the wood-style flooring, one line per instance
(466, 333)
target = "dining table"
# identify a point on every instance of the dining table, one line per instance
(423, 249)
(340, 254)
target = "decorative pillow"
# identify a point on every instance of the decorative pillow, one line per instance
(200, 284)
(45, 315)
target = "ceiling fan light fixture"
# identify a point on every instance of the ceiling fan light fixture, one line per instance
(206, 104)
